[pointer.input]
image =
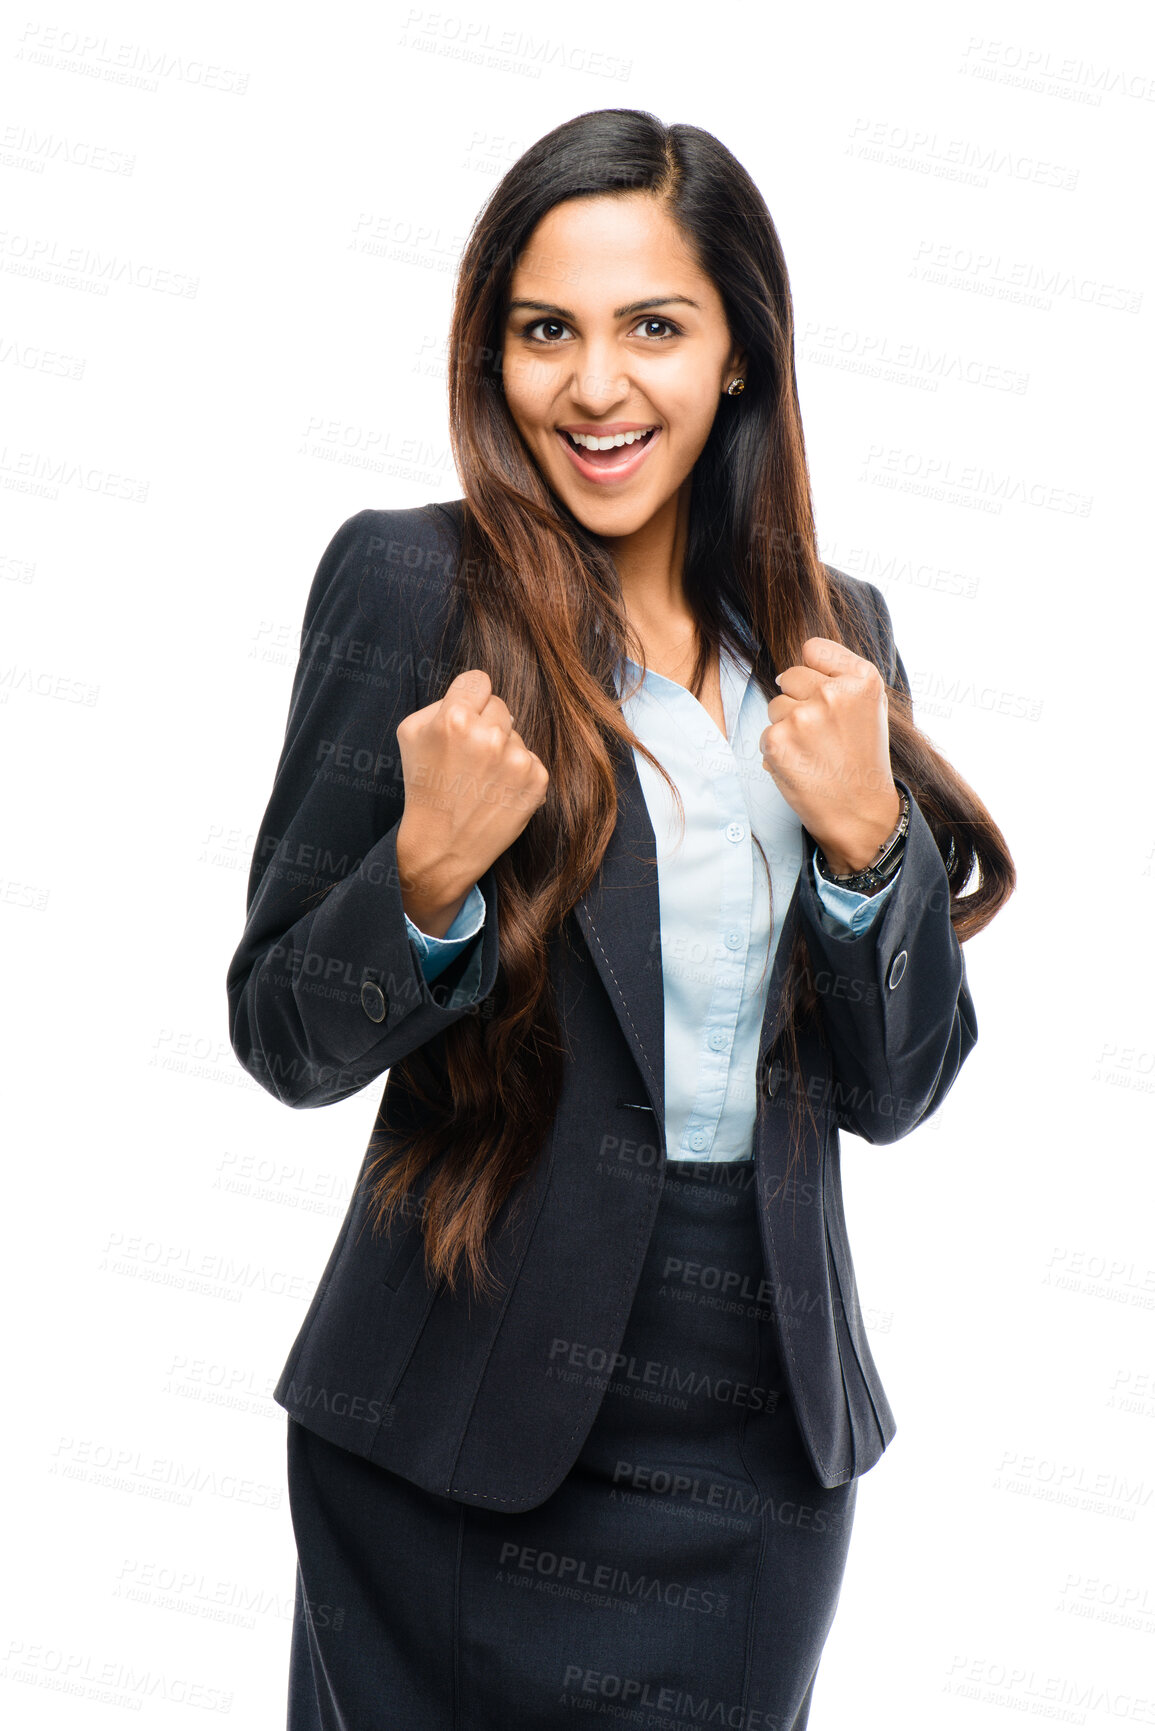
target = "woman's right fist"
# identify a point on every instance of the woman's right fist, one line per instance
(471, 786)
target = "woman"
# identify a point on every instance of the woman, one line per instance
(603, 826)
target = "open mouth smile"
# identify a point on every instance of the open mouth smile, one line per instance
(618, 463)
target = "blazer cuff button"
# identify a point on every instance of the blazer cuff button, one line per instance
(373, 1001)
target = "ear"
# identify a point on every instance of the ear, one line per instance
(736, 364)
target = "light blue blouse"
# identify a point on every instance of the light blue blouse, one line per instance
(719, 933)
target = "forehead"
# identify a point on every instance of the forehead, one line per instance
(622, 248)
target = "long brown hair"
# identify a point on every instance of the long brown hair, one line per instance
(537, 602)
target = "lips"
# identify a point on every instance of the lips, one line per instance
(619, 463)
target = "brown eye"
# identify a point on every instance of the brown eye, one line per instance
(553, 324)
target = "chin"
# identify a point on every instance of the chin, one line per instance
(612, 519)
(604, 515)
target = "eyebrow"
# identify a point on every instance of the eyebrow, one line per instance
(619, 312)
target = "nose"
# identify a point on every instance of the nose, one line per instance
(599, 381)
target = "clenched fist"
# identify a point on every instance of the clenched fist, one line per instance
(828, 749)
(471, 786)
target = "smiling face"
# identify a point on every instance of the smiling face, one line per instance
(613, 327)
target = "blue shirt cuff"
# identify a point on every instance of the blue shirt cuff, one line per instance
(854, 912)
(435, 954)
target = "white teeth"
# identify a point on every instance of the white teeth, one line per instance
(592, 443)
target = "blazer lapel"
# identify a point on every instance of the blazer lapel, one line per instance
(772, 1016)
(620, 919)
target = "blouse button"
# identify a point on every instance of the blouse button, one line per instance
(735, 831)
(733, 940)
(699, 1139)
(718, 1039)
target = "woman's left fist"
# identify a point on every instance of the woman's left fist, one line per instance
(828, 749)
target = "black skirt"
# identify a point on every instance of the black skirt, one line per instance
(685, 1572)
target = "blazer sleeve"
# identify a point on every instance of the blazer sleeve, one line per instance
(326, 990)
(894, 999)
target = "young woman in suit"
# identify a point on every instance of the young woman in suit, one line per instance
(602, 824)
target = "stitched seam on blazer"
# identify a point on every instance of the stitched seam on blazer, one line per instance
(828, 1174)
(304, 1334)
(625, 1006)
(838, 1345)
(623, 1318)
(846, 1320)
(619, 1321)
(785, 1332)
(545, 1184)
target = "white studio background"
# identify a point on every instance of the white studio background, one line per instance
(227, 251)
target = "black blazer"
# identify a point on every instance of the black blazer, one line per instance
(325, 992)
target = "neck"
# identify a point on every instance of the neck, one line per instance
(650, 564)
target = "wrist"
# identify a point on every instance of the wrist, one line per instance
(882, 867)
(855, 850)
(432, 892)
(432, 918)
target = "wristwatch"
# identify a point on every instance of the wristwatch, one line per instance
(885, 862)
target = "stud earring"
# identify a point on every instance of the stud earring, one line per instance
(735, 387)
